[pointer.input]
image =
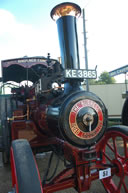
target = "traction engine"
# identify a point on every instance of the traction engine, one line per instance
(55, 114)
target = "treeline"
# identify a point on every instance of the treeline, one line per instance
(104, 78)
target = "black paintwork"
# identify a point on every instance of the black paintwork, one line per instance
(68, 41)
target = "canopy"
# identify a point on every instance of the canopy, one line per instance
(26, 68)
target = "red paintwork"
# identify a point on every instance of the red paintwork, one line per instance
(27, 130)
(80, 176)
(120, 160)
(73, 114)
(13, 172)
(84, 171)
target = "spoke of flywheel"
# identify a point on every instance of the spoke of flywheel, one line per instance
(125, 187)
(112, 149)
(107, 156)
(115, 146)
(109, 145)
(125, 148)
(120, 184)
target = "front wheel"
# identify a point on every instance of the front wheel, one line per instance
(25, 175)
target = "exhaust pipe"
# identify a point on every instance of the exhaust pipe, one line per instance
(65, 15)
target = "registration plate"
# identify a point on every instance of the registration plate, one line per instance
(105, 173)
(80, 73)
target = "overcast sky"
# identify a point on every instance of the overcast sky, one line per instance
(27, 29)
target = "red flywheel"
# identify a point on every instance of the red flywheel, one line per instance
(115, 153)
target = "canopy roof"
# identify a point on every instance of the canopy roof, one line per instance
(26, 68)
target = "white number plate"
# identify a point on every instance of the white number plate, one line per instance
(104, 173)
(80, 73)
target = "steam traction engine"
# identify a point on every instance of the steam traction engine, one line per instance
(68, 121)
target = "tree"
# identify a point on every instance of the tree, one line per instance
(104, 78)
(92, 81)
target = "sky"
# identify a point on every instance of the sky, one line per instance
(27, 29)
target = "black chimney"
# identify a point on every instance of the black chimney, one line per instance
(65, 15)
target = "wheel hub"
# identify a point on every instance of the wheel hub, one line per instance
(88, 119)
(122, 166)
